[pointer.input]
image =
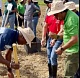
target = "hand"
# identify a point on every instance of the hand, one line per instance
(52, 42)
(14, 66)
(59, 51)
(21, 17)
(10, 75)
(53, 35)
(43, 42)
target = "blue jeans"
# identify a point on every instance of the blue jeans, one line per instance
(52, 56)
(28, 23)
(34, 23)
(10, 20)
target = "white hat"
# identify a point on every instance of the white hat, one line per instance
(28, 34)
(71, 5)
(57, 7)
(21, 0)
(77, 6)
(34, 0)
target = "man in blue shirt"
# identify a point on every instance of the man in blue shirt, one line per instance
(7, 38)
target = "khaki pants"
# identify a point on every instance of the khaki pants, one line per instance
(71, 65)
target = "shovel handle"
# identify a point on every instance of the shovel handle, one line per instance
(16, 59)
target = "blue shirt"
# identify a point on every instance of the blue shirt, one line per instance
(7, 37)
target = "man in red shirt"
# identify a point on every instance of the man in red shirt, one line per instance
(52, 25)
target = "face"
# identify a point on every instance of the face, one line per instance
(29, 1)
(25, 1)
(49, 5)
(59, 16)
(21, 40)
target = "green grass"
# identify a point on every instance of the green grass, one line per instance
(41, 2)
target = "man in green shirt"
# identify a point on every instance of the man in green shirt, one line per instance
(70, 37)
(21, 10)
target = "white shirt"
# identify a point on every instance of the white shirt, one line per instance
(0, 4)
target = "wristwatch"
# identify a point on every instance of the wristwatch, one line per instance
(62, 49)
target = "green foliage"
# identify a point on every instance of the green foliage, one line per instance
(41, 2)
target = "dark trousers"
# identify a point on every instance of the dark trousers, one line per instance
(21, 21)
(0, 13)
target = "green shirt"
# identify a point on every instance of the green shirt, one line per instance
(71, 28)
(14, 6)
(21, 8)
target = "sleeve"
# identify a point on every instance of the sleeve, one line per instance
(18, 7)
(73, 26)
(35, 7)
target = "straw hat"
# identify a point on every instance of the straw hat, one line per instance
(34, 0)
(77, 6)
(71, 5)
(57, 7)
(27, 34)
(21, 0)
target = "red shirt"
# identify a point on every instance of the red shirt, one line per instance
(54, 25)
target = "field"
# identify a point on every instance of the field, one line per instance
(34, 65)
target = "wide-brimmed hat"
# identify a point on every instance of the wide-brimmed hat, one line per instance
(57, 7)
(28, 34)
(77, 6)
(21, 0)
(34, 0)
(71, 5)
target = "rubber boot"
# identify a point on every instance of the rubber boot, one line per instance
(50, 71)
(54, 71)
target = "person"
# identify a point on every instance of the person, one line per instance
(48, 4)
(52, 25)
(70, 37)
(28, 15)
(72, 6)
(21, 10)
(9, 36)
(36, 16)
(0, 8)
(11, 17)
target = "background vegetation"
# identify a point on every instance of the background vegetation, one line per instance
(41, 2)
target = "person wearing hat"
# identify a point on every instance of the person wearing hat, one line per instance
(72, 6)
(48, 3)
(11, 17)
(70, 37)
(9, 36)
(55, 26)
(21, 10)
(36, 16)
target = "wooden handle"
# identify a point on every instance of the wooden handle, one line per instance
(16, 59)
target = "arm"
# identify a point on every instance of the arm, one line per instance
(35, 7)
(44, 31)
(3, 61)
(70, 43)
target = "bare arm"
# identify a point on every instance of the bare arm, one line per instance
(3, 61)
(44, 31)
(71, 42)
